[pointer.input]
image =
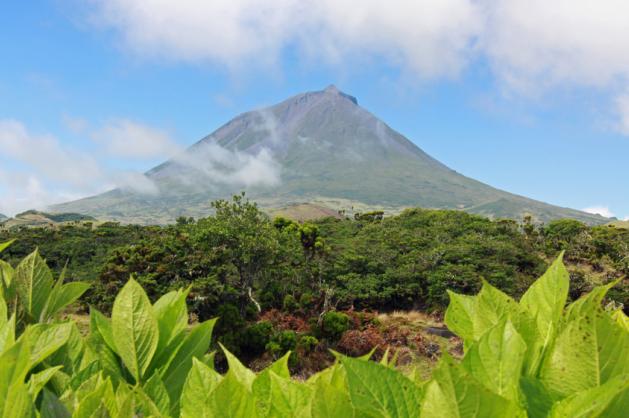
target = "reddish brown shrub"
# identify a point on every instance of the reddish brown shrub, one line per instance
(358, 343)
(284, 321)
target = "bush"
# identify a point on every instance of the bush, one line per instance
(307, 343)
(256, 337)
(290, 303)
(358, 343)
(334, 325)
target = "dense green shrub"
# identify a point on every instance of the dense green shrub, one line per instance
(290, 303)
(334, 324)
(256, 337)
(307, 343)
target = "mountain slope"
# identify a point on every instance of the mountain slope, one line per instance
(314, 147)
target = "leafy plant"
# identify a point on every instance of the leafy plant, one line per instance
(532, 358)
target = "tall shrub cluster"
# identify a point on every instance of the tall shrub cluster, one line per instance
(535, 358)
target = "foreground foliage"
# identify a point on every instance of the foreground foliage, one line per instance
(532, 358)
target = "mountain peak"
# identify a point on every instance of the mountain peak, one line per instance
(317, 146)
(333, 90)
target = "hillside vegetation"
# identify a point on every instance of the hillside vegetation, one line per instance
(535, 358)
(279, 285)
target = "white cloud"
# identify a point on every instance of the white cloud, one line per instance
(125, 138)
(218, 165)
(38, 170)
(431, 37)
(599, 210)
(531, 46)
(541, 43)
(46, 155)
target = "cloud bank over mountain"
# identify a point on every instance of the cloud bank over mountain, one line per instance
(530, 46)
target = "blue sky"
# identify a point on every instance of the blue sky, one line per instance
(528, 97)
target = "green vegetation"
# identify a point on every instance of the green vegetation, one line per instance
(536, 357)
(265, 276)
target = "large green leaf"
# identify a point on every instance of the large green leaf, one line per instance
(4, 245)
(155, 389)
(289, 398)
(61, 296)
(470, 317)
(496, 360)
(232, 399)
(37, 381)
(377, 390)
(331, 397)
(134, 328)
(593, 402)
(172, 319)
(587, 353)
(7, 333)
(7, 284)
(195, 345)
(262, 382)
(452, 393)
(33, 281)
(14, 365)
(19, 402)
(45, 339)
(197, 391)
(172, 316)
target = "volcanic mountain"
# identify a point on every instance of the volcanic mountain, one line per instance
(320, 148)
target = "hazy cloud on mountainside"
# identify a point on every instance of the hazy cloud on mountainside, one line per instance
(599, 210)
(44, 171)
(128, 139)
(531, 46)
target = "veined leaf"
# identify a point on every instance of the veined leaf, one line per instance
(14, 365)
(99, 323)
(172, 316)
(496, 360)
(232, 399)
(37, 381)
(155, 389)
(134, 328)
(18, 402)
(331, 396)
(262, 383)
(546, 298)
(45, 339)
(593, 402)
(195, 345)
(452, 393)
(61, 296)
(589, 352)
(197, 391)
(7, 334)
(376, 390)
(33, 282)
(289, 398)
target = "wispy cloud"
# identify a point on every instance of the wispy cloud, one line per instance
(600, 210)
(125, 138)
(44, 170)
